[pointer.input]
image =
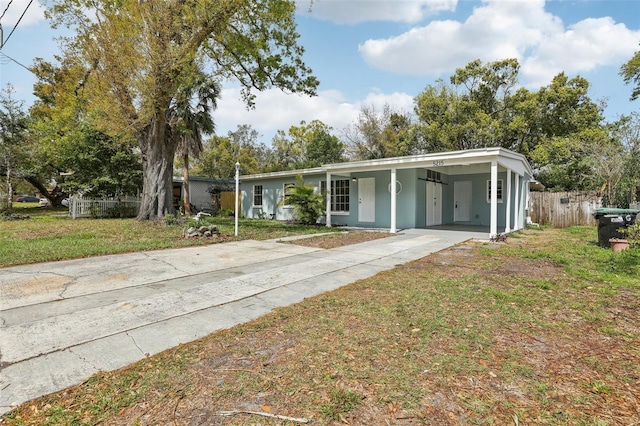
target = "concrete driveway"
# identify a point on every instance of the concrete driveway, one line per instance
(62, 322)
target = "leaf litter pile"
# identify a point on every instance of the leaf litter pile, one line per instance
(542, 329)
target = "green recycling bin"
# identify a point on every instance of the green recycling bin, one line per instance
(611, 221)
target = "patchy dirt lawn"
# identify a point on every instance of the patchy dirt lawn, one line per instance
(329, 241)
(542, 329)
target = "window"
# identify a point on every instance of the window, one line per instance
(257, 195)
(434, 176)
(499, 191)
(286, 197)
(339, 194)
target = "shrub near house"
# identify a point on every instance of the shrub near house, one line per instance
(632, 234)
(307, 204)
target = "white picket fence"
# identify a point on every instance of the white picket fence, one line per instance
(99, 207)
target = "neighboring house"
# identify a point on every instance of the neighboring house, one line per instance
(486, 187)
(201, 193)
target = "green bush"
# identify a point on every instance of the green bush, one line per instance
(225, 212)
(307, 203)
(121, 210)
(632, 233)
(172, 219)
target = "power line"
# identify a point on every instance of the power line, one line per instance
(16, 26)
(6, 8)
(11, 59)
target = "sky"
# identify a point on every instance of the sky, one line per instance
(368, 53)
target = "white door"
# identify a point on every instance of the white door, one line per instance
(462, 201)
(434, 203)
(367, 200)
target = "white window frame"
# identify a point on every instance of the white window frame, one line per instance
(334, 202)
(500, 190)
(253, 198)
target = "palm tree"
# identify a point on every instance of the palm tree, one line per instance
(189, 122)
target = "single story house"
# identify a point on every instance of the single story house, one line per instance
(205, 194)
(487, 187)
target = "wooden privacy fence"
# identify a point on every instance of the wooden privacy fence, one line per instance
(564, 209)
(111, 207)
(229, 201)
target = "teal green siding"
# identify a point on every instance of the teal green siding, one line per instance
(406, 200)
(272, 195)
(481, 208)
(411, 200)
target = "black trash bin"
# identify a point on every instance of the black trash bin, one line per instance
(611, 221)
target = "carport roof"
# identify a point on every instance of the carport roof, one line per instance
(444, 161)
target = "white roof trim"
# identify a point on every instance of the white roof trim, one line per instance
(513, 160)
(286, 173)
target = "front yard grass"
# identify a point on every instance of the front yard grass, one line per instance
(50, 234)
(542, 329)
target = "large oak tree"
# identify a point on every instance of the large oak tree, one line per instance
(483, 107)
(140, 54)
(67, 154)
(307, 145)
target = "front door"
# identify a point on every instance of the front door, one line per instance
(462, 201)
(434, 203)
(367, 200)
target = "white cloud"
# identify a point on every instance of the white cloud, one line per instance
(33, 15)
(276, 110)
(399, 102)
(357, 11)
(505, 29)
(582, 47)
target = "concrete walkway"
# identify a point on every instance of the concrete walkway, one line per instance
(62, 322)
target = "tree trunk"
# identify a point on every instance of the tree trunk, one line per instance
(157, 170)
(185, 186)
(55, 196)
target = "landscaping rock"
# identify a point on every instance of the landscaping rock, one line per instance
(210, 231)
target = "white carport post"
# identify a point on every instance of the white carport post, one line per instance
(493, 226)
(237, 193)
(328, 206)
(526, 197)
(507, 225)
(392, 189)
(518, 213)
